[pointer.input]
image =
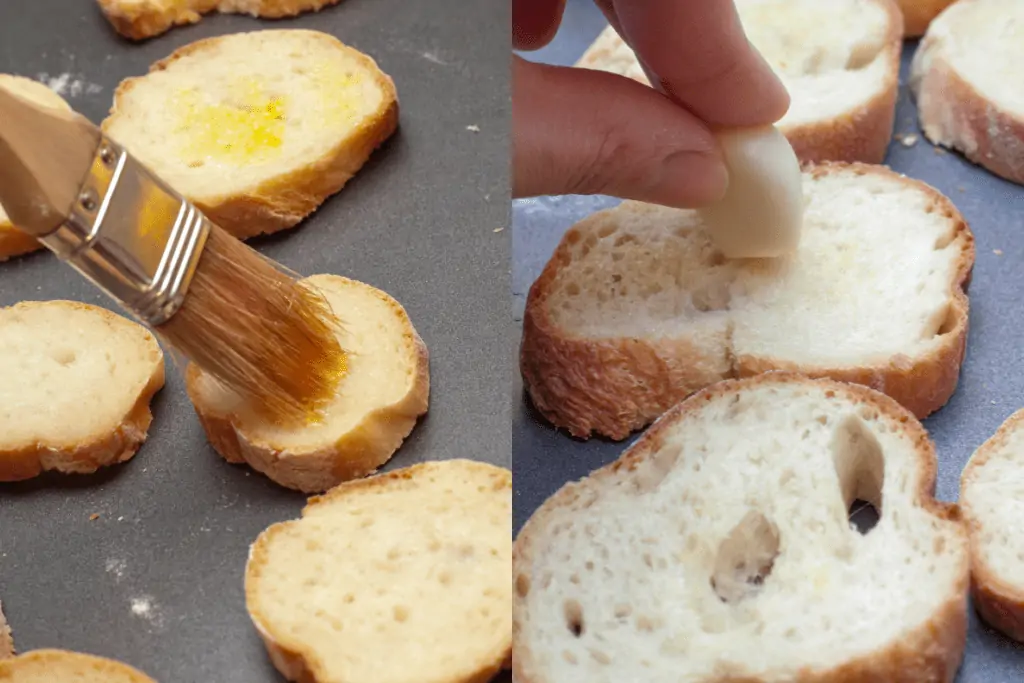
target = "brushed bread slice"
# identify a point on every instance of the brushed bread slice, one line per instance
(257, 129)
(378, 401)
(719, 548)
(60, 666)
(839, 60)
(6, 639)
(400, 578)
(992, 500)
(14, 242)
(141, 19)
(77, 383)
(967, 79)
(636, 310)
(918, 14)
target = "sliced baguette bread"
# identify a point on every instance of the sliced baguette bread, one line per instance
(918, 14)
(59, 666)
(635, 310)
(257, 129)
(378, 401)
(992, 500)
(399, 578)
(14, 242)
(141, 19)
(6, 638)
(77, 383)
(966, 79)
(839, 60)
(719, 548)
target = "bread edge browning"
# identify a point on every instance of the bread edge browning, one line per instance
(7, 649)
(652, 377)
(287, 654)
(14, 242)
(359, 452)
(104, 449)
(918, 14)
(930, 654)
(286, 199)
(58, 657)
(999, 602)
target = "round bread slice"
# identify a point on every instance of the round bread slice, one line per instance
(77, 383)
(992, 499)
(719, 547)
(400, 578)
(60, 666)
(918, 14)
(636, 310)
(965, 77)
(14, 242)
(378, 401)
(839, 60)
(257, 129)
(141, 19)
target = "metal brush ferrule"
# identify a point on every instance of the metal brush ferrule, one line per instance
(132, 235)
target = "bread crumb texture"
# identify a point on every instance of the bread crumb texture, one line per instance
(720, 547)
(400, 578)
(59, 666)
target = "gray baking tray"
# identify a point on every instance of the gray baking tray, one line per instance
(991, 383)
(156, 579)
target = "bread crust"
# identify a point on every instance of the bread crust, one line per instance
(918, 14)
(62, 663)
(102, 449)
(289, 656)
(357, 453)
(615, 386)
(999, 601)
(6, 638)
(285, 199)
(14, 242)
(149, 19)
(954, 114)
(929, 654)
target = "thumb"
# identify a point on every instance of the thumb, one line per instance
(578, 131)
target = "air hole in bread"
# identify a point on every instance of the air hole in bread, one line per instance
(606, 230)
(745, 558)
(860, 468)
(574, 617)
(65, 357)
(864, 53)
(945, 240)
(651, 472)
(948, 321)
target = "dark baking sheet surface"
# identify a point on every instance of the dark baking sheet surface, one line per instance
(156, 580)
(991, 384)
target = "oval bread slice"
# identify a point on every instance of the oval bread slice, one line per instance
(59, 666)
(141, 19)
(14, 242)
(966, 79)
(77, 383)
(399, 578)
(378, 401)
(719, 548)
(839, 60)
(991, 495)
(918, 14)
(636, 310)
(257, 129)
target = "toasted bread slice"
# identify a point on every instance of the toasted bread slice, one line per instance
(6, 638)
(918, 14)
(991, 495)
(257, 129)
(77, 382)
(60, 666)
(719, 548)
(839, 60)
(141, 19)
(635, 310)
(400, 578)
(965, 77)
(14, 242)
(378, 401)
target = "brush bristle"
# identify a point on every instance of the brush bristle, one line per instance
(260, 332)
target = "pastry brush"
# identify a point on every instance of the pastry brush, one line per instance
(237, 315)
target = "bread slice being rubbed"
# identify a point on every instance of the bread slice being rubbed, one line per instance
(76, 385)
(400, 578)
(636, 310)
(141, 19)
(719, 548)
(257, 129)
(14, 242)
(59, 666)
(966, 78)
(378, 401)
(839, 60)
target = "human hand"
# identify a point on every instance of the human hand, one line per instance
(578, 131)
